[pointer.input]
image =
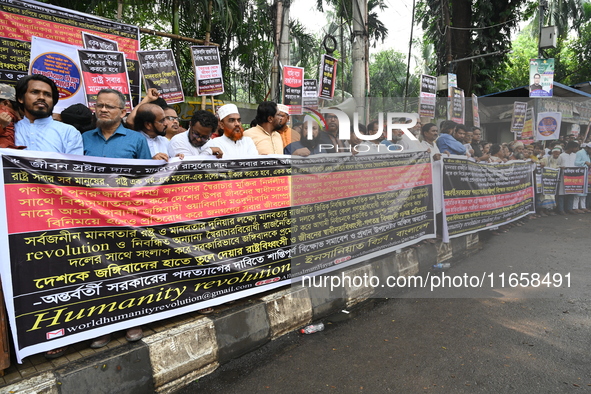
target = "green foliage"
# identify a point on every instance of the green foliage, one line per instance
(243, 30)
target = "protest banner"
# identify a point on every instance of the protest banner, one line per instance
(548, 126)
(310, 97)
(475, 113)
(574, 180)
(427, 96)
(292, 87)
(550, 180)
(527, 134)
(481, 196)
(208, 70)
(21, 20)
(518, 118)
(160, 73)
(59, 62)
(457, 107)
(327, 79)
(352, 207)
(104, 69)
(94, 245)
(93, 41)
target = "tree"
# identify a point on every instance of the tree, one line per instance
(466, 28)
(243, 30)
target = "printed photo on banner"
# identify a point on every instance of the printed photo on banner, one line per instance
(541, 77)
(208, 70)
(59, 62)
(160, 72)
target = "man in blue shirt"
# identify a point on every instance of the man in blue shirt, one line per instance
(110, 138)
(446, 141)
(37, 95)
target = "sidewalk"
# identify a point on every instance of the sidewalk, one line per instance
(176, 351)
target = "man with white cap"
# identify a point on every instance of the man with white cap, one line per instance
(287, 134)
(233, 143)
(265, 135)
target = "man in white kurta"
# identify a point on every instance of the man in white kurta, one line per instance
(233, 144)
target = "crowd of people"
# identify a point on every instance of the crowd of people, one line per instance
(152, 131)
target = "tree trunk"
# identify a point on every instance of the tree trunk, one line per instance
(461, 16)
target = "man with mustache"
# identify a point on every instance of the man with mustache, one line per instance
(37, 95)
(191, 142)
(149, 121)
(233, 144)
(111, 138)
(265, 135)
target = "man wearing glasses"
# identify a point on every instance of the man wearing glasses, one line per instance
(110, 138)
(171, 121)
(190, 142)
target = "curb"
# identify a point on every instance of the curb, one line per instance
(171, 359)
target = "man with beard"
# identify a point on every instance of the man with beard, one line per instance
(37, 95)
(190, 142)
(233, 144)
(149, 121)
(265, 135)
(446, 141)
(288, 135)
(110, 138)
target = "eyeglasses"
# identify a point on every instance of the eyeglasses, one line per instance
(172, 118)
(200, 136)
(161, 121)
(107, 106)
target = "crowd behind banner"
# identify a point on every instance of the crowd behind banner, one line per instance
(94, 243)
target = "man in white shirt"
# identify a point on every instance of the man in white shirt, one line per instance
(233, 144)
(149, 120)
(191, 142)
(37, 95)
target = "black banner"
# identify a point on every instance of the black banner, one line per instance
(478, 196)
